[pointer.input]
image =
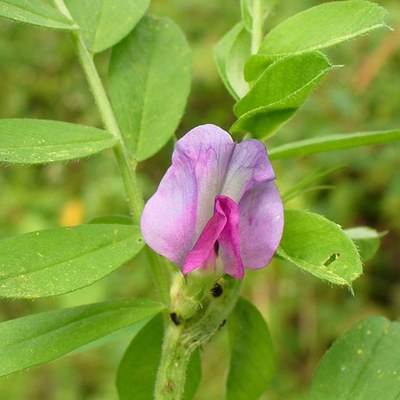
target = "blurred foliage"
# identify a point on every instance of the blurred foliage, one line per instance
(41, 78)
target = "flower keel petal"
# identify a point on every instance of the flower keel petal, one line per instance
(203, 253)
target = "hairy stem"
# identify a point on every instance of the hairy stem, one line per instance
(171, 376)
(126, 164)
(182, 337)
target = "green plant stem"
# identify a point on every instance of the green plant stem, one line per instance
(181, 340)
(171, 376)
(127, 166)
(257, 28)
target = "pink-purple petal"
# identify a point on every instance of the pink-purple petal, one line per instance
(216, 194)
(169, 218)
(248, 165)
(208, 150)
(229, 241)
(203, 253)
(261, 224)
(175, 216)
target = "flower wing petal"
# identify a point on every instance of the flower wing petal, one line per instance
(260, 225)
(169, 218)
(175, 216)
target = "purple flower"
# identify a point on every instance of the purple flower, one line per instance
(217, 205)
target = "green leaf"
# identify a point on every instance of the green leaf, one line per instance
(150, 73)
(138, 368)
(123, 334)
(35, 12)
(221, 53)
(34, 141)
(112, 219)
(230, 55)
(252, 363)
(366, 239)
(322, 26)
(36, 339)
(278, 93)
(364, 363)
(335, 142)
(283, 82)
(104, 23)
(255, 66)
(61, 260)
(319, 246)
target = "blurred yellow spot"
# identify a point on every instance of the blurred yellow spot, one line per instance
(72, 213)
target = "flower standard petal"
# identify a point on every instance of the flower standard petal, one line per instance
(248, 165)
(175, 216)
(261, 224)
(208, 149)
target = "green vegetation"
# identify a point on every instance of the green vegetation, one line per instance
(41, 79)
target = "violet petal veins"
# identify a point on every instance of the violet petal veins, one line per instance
(216, 205)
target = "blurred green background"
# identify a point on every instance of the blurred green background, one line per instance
(41, 78)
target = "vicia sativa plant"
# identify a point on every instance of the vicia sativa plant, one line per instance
(216, 214)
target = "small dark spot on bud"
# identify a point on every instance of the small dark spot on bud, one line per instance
(174, 318)
(222, 323)
(216, 247)
(217, 290)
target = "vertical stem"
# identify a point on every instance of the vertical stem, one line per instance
(171, 375)
(181, 340)
(126, 164)
(257, 28)
(181, 337)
